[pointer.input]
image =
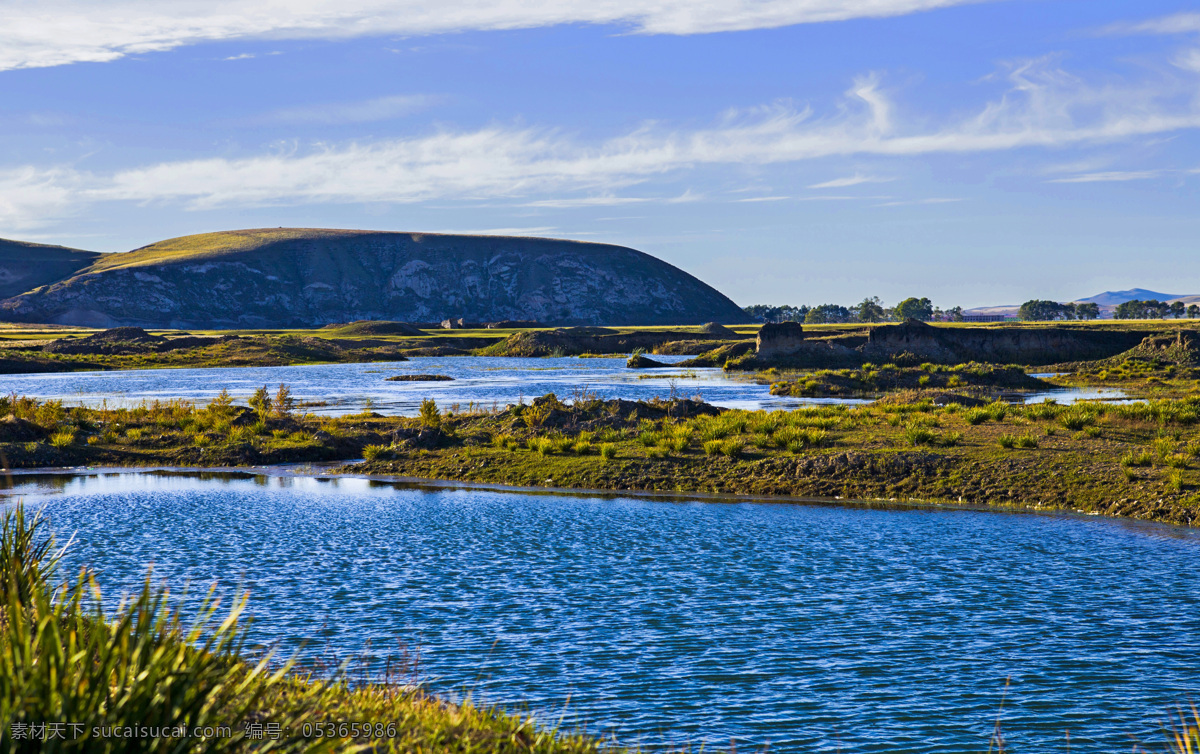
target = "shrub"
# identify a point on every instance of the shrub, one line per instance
(649, 439)
(732, 448)
(62, 439)
(375, 452)
(1177, 461)
(284, 402)
(608, 451)
(1136, 459)
(713, 447)
(977, 416)
(918, 435)
(582, 447)
(923, 380)
(430, 416)
(1008, 441)
(261, 403)
(133, 434)
(503, 441)
(1130, 474)
(1077, 418)
(1175, 481)
(1027, 441)
(952, 438)
(221, 406)
(1163, 447)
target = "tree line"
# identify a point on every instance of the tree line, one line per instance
(1036, 310)
(1155, 310)
(868, 310)
(1039, 310)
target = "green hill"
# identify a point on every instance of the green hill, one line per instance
(25, 266)
(310, 278)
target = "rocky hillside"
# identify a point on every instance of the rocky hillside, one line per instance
(309, 278)
(25, 266)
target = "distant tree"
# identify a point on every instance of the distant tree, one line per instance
(955, 314)
(828, 314)
(1087, 310)
(1178, 309)
(1040, 310)
(870, 310)
(767, 313)
(1142, 310)
(914, 308)
(1193, 311)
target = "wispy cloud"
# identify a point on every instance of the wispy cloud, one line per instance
(365, 111)
(853, 180)
(1041, 106)
(1110, 176)
(59, 32)
(1178, 23)
(912, 202)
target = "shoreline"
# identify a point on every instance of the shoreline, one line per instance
(425, 483)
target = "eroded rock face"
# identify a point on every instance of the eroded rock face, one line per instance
(780, 338)
(308, 278)
(1010, 345)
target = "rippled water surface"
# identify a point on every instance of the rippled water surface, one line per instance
(809, 627)
(487, 381)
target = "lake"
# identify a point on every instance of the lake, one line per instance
(809, 627)
(487, 381)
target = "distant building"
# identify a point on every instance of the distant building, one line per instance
(988, 318)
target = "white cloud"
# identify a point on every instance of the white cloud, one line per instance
(1178, 23)
(31, 197)
(366, 111)
(1042, 106)
(1110, 176)
(912, 202)
(39, 33)
(853, 180)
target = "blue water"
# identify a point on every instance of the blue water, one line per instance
(481, 381)
(813, 628)
(349, 388)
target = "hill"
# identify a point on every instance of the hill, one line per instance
(25, 266)
(1112, 298)
(311, 277)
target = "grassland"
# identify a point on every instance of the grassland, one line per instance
(1140, 460)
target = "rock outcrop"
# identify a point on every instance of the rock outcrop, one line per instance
(309, 278)
(779, 338)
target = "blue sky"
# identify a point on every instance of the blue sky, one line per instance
(785, 151)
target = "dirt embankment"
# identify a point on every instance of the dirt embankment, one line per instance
(581, 340)
(913, 342)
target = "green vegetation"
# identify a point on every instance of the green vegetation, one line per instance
(875, 379)
(64, 658)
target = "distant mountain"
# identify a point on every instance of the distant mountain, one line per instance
(295, 277)
(25, 266)
(1112, 298)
